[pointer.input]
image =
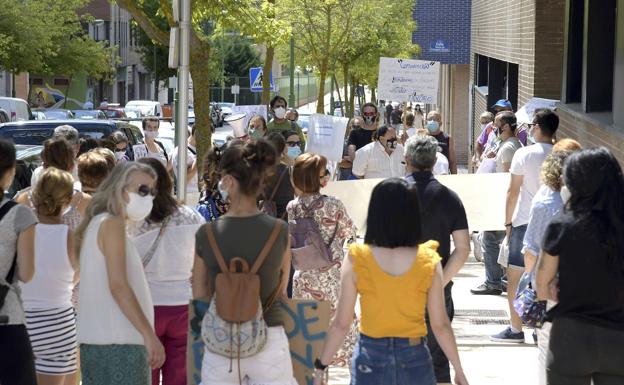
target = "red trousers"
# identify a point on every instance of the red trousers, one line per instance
(171, 324)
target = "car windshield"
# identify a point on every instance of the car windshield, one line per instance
(57, 114)
(87, 114)
(37, 136)
(113, 114)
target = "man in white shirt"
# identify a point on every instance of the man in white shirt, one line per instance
(525, 181)
(192, 185)
(383, 158)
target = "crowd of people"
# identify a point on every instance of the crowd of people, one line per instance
(99, 260)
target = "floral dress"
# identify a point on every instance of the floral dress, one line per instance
(324, 284)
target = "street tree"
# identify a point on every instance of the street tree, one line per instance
(47, 37)
(322, 28)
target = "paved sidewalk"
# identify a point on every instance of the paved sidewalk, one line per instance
(476, 317)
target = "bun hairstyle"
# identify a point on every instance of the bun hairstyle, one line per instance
(251, 163)
(53, 190)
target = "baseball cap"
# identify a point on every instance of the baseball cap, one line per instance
(504, 103)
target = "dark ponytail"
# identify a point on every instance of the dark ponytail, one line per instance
(251, 163)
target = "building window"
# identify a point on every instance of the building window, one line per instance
(37, 81)
(61, 82)
(482, 70)
(590, 54)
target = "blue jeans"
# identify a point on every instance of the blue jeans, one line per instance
(516, 258)
(491, 248)
(345, 173)
(391, 361)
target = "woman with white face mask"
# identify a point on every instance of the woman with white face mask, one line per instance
(115, 310)
(152, 147)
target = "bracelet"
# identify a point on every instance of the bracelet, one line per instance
(508, 224)
(319, 365)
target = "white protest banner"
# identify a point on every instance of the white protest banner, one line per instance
(140, 151)
(250, 111)
(326, 136)
(406, 80)
(526, 113)
(483, 196)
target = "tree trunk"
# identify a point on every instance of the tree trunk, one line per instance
(373, 97)
(345, 79)
(342, 110)
(199, 56)
(352, 96)
(266, 79)
(320, 102)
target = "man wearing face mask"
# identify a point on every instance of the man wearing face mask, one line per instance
(278, 108)
(434, 126)
(382, 158)
(346, 164)
(152, 148)
(362, 132)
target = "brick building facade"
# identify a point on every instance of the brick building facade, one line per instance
(516, 53)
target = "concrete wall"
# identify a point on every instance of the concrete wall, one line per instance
(460, 102)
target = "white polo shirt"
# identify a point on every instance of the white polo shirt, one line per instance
(372, 161)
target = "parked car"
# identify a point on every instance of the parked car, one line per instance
(35, 132)
(28, 159)
(113, 112)
(89, 114)
(58, 114)
(17, 109)
(37, 115)
(147, 107)
(226, 109)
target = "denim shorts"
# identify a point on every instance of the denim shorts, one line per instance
(391, 361)
(516, 258)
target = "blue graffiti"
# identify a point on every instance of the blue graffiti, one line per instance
(301, 322)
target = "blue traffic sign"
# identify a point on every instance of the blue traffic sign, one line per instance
(255, 80)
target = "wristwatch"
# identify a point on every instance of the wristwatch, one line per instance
(319, 365)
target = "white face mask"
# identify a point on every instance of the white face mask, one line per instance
(280, 112)
(565, 195)
(119, 154)
(151, 134)
(138, 207)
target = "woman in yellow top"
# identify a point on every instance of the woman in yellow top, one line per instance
(396, 278)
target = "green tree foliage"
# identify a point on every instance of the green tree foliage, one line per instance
(47, 37)
(237, 55)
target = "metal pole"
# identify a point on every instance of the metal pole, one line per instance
(183, 89)
(291, 95)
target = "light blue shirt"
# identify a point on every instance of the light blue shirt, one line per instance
(545, 205)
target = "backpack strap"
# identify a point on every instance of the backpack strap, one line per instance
(215, 248)
(267, 247)
(279, 182)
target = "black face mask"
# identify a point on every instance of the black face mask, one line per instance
(391, 144)
(356, 127)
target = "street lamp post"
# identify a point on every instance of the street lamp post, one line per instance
(291, 95)
(183, 89)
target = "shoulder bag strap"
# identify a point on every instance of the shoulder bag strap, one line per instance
(3, 211)
(279, 181)
(267, 247)
(215, 249)
(150, 252)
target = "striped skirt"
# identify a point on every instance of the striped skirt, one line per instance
(52, 335)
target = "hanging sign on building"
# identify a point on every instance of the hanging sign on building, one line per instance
(406, 80)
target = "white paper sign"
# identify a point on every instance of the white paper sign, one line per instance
(526, 113)
(326, 136)
(140, 151)
(406, 80)
(251, 111)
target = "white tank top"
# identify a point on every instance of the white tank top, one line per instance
(52, 284)
(100, 320)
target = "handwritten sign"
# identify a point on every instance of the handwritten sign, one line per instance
(406, 80)
(140, 151)
(326, 136)
(250, 112)
(306, 323)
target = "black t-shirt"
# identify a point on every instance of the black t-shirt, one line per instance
(443, 143)
(395, 116)
(360, 138)
(285, 191)
(589, 289)
(442, 211)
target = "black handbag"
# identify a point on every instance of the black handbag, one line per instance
(4, 289)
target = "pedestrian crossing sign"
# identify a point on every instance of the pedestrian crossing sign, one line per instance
(255, 79)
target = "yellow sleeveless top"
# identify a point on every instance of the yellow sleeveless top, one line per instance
(393, 306)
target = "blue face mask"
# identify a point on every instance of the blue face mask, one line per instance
(294, 152)
(433, 126)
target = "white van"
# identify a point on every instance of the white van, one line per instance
(147, 107)
(16, 109)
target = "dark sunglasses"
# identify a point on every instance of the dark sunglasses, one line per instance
(144, 190)
(293, 144)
